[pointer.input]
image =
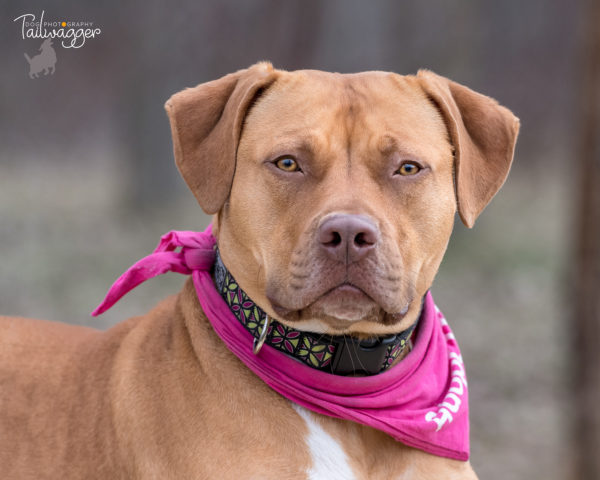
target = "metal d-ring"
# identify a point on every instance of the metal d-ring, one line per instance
(259, 342)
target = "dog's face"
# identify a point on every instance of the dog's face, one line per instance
(340, 199)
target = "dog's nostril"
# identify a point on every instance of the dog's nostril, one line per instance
(337, 239)
(360, 240)
(333, 240)
(365, 238)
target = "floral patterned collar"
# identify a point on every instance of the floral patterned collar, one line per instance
(339, 355)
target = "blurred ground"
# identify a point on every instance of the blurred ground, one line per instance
(66, 237)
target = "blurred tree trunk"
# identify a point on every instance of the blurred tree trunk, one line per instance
(586, 374)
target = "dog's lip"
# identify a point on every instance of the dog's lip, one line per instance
(355, 293)
(345, 289)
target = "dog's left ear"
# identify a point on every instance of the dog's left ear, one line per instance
(483, 134)
(206, 124)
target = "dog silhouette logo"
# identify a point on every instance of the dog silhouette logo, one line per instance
(44, 61)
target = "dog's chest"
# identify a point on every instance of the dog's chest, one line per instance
(328, 459)
(343, 450)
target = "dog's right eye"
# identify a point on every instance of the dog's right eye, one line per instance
(287, 164)
(408, 169)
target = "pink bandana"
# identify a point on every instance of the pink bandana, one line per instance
(422, 401)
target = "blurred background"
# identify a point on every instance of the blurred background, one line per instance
(88, 183)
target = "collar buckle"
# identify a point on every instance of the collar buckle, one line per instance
(361, 357)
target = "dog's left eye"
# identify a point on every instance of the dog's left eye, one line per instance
(408, 168)
(287, 164)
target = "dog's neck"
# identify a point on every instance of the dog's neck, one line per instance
(339, 355)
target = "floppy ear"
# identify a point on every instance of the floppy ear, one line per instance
(206, 124)
(483, 134)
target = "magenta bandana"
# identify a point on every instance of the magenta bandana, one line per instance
(422, 401)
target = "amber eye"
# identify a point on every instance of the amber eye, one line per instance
(409, 168)
(287, 164)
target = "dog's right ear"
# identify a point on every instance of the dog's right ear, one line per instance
(206, 124)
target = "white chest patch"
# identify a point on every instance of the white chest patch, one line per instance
(329, 461)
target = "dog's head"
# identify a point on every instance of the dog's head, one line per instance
(46, 44)
(335, 195)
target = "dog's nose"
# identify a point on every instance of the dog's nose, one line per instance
(348, 238)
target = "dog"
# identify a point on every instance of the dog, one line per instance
(334, 197)
(44, 61)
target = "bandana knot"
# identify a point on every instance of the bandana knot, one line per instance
(197, 253)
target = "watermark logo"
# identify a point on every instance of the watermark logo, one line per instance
(72, 34)
(44, 62)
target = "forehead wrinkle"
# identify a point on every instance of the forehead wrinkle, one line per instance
(299, 139)
(350, 112)
(387, 144)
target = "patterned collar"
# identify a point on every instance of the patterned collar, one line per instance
(339, 355)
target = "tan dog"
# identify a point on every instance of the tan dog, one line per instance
(334, 200)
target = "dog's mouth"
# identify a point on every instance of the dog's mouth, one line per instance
(346, 302)
(345, 294)
(341, 306)
(372, 295)
(347, 290)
